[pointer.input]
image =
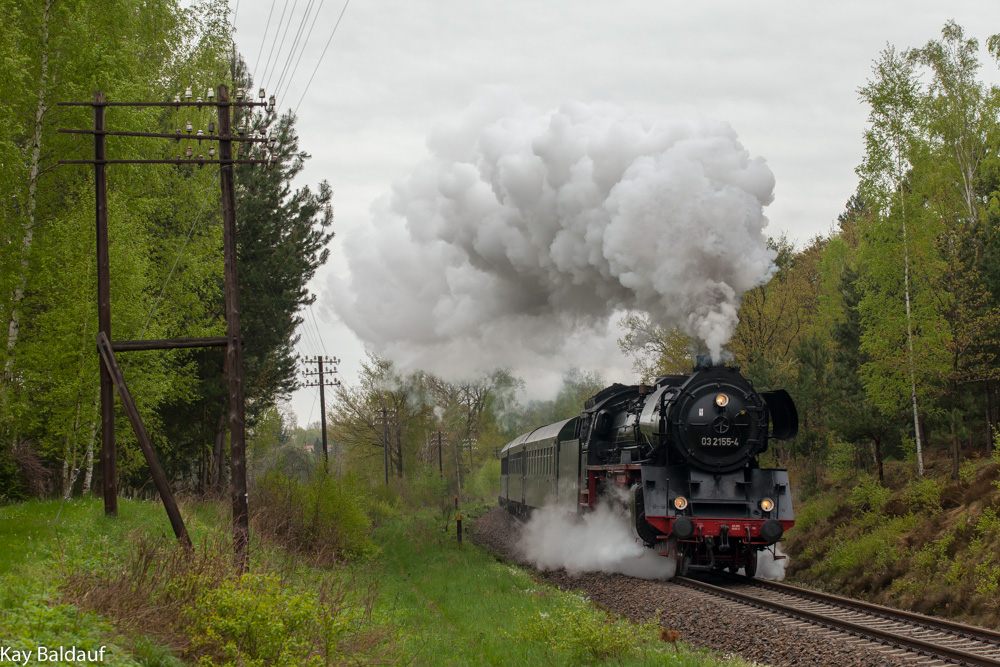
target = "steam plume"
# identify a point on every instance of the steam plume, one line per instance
(524, 234)
(601, 542)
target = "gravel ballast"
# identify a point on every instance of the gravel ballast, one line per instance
(702, 620)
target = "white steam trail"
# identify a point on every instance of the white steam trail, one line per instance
(524, 234)
(600, 542)
(768, 568)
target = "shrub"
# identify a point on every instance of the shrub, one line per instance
(923, 494)
(869, 496)
(485, 483)
(872, 551)
(324, 517)
(841, 461)
(430, 489)
(151, 583)
(968, 471)
(191, 602)
(257, 621)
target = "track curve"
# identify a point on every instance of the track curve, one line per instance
(918, 635)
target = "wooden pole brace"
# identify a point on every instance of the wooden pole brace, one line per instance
(159, 478)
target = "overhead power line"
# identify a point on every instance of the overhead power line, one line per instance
(297, 45)
(318, 62)
(284, 39)
(274, 42)
(263, 39)
(291, 77)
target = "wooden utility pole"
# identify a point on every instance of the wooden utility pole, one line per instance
(109, 474)
(322, 396)
(440, 460)
(110, 372)
(385, 443)
(237, 420)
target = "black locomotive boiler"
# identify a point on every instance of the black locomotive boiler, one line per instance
(682, 452)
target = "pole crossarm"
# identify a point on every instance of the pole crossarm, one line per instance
(322, 382)
(163, 104)
(168, 343)
(165, 135)
(181, 161)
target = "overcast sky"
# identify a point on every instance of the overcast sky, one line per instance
(784, 75)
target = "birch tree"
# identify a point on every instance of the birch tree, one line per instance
(892, 96)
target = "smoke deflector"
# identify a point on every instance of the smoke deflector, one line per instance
(784, 416)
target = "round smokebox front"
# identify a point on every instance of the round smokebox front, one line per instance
(718, 431)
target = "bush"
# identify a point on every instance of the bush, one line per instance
(485, 483)
(923, 494)
(257, 621)
(869, 496)
(324, 517)
(429, 489)
(840, 461)
(11, 487)
(872, 551)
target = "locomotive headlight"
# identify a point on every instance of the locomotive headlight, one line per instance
(722, 400)
(680, 502)
(767, 504)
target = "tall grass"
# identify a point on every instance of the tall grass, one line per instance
(324, 517)
(457, 605)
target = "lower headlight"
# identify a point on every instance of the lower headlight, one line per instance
(767, 504)
(680, 502)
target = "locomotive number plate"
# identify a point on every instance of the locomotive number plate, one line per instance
(720, 442)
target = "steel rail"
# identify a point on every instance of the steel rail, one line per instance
(968, 631)
(910, 643)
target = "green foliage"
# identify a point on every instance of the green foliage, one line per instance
(29, 621)
(485, 483)
(149, 653)
(429, 488)
(875, 550)
(968, 471)
(923, 494)
(988, 524)
(930, 557)
(869, 496)
(841, 460)
(324, 516)
(585, 634)
(258, 621)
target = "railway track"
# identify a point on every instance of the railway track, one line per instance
(923, 638)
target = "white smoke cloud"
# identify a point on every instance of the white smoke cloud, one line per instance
(768, 567)
(525, 234)
(600, 541)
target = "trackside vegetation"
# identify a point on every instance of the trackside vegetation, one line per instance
(930, 544)
(407, 593)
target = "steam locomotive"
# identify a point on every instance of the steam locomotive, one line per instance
(681, 454)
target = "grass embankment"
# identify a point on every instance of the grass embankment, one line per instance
(928, 544)
(419, 598)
